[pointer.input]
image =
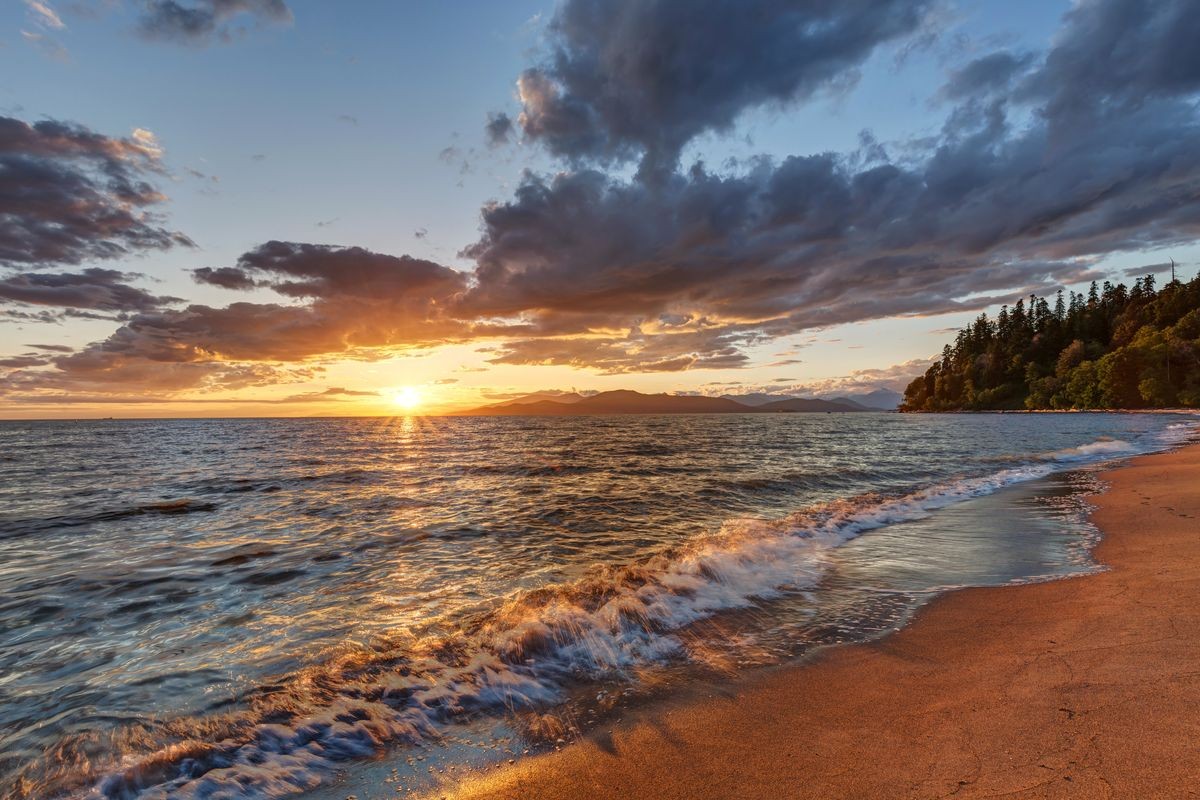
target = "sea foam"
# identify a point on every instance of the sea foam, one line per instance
(527, 652)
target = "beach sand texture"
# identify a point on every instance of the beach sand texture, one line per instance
(1079, 688)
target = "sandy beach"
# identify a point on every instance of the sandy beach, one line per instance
(1087, 687)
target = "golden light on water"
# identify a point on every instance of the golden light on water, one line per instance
(407, 398)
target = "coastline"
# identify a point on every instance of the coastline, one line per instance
(1083, 687)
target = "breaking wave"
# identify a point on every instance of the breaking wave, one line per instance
(1102, 448)
(525, 653)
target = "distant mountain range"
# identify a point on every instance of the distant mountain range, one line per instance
(878, 400)
(624, 401)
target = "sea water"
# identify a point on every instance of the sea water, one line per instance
(256, 608)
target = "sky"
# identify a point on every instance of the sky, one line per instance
(292, 207)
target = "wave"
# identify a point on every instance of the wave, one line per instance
(527, 470)
(22, 527)
(526, 653)
(791, 481)
(1103, 447)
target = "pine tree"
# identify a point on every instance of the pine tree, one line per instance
(1115, 347)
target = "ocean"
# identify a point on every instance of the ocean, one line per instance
(261, 608)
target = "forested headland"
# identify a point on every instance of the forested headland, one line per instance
(1113, 347)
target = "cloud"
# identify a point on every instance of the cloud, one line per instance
(985, 75)
(98, 372)
(332, 393)
(896, 377)
(22, 361)
(509, 393)
(45, 315)
(332, 272)
(49, 46)
(803, 244)
(1027, 186)
(626, 79)
(1154, 269)
(202, 176)
(455, 156)
(52, 348)
(12, 315)
(635, 352)
(1119, 55)
(68, 195)
(199, 22)
(44, 15)
(224, 277)
(1047, 163)
(94, 288)
(498, 129)
(353, 302)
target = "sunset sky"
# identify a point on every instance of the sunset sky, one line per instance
(286, 207)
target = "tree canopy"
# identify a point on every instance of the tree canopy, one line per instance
(1113, 347)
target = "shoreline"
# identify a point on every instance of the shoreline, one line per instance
(1081, 687)
(1171, 410)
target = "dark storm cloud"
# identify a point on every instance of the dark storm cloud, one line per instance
(984, 75)
(1045, 165)
(199, 22)
(628, 78)
(68, 195)
(806, 243)
(1000, 203)
(326, 271)
(95, 288)
(1119, 55)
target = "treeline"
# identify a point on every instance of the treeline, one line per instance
(1114, 347)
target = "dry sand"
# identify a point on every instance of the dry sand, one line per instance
(1081, 688)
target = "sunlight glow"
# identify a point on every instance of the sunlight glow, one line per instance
(407, 397)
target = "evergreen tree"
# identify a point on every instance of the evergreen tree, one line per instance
(1115, 347)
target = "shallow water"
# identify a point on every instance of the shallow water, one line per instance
(208, 608)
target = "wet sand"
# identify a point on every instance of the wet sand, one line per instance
(1081, 688)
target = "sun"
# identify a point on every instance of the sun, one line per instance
(407, 397)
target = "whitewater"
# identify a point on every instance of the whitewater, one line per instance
(251, 608)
